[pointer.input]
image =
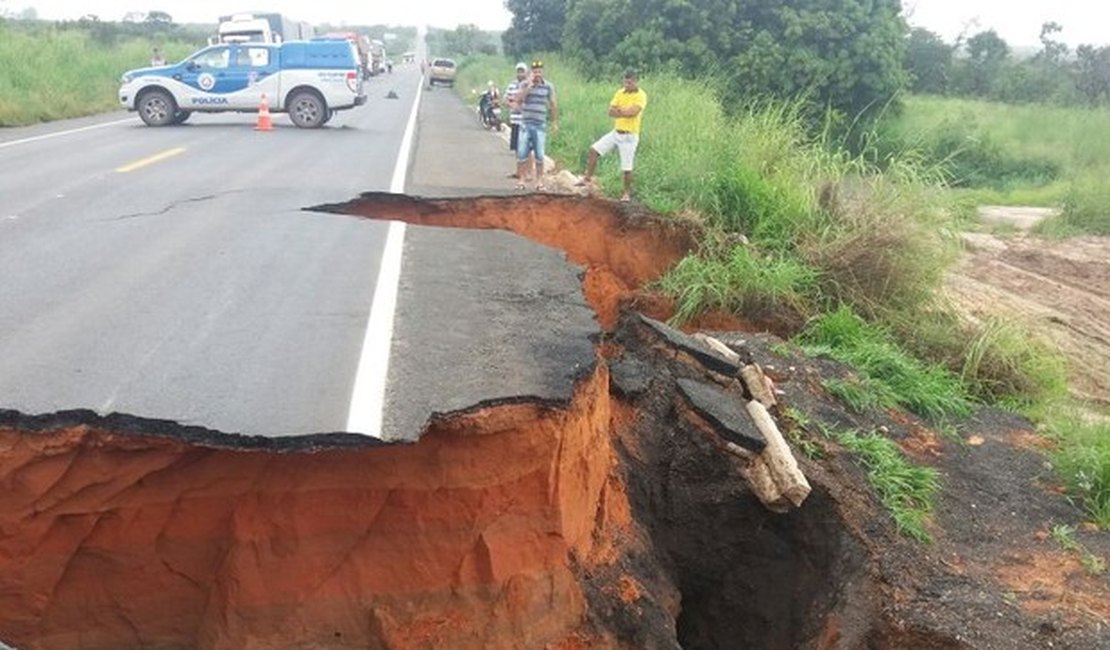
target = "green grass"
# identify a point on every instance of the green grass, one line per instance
(1082, 457)
(908, 491)
(1065, 537)
(739, 279)
(1027, 154)
(71, 74)
(1005, 364)
(888, 375)
(798, 422)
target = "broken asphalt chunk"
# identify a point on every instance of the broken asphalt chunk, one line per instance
(629, 377)
(724, 412)
(695, 348)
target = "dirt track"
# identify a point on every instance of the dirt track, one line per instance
(1061, 288)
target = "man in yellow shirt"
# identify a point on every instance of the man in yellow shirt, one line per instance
(627, 109)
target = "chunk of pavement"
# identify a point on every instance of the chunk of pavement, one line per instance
(629, 377)
(724, 412)
(391, 95)
(695, 348)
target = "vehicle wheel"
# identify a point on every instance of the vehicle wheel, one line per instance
(157, 108)
(181, 116)
(327, 118)
(307, 110)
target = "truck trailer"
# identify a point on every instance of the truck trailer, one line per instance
(262, 28)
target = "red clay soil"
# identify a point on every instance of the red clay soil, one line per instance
(459, 540)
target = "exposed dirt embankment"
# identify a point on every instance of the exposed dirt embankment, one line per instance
(621, 248)
(463, 539)
(1061, 287)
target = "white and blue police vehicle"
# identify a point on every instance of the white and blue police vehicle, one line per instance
(309, 80)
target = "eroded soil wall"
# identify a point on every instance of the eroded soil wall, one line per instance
(621, 249)
(460, 540)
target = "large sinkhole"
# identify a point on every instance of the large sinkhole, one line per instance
(607, 521)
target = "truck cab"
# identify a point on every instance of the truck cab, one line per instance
(308, 80)
(260, 28)
(243, 28)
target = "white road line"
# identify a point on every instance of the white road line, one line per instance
(398, 184)
(56, 134)
(367, 407)
(368, 396)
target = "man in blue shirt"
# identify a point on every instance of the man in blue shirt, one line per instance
(535, 99)
(515, 116)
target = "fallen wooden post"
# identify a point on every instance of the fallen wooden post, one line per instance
(780, 460)
(758, 385)
(758, 476)
(718, 347)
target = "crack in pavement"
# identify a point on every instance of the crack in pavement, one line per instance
(171, 206)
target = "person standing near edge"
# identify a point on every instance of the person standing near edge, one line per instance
(515, 114)
(536, 97)
(627, 109)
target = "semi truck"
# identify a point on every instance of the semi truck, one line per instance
(261, 28)
(377, 57)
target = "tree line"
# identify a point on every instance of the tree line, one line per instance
(985, 66)
(853, 56)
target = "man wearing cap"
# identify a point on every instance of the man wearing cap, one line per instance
(515, 114)
(536, 98)
(627, 109)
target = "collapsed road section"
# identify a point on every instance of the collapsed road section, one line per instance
(630, 514)
(125, 532)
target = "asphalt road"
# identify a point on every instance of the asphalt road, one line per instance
(174, 274)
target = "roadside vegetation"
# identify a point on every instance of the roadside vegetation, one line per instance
(842, 247)
(1010, 154)
(908, 491)
(77, 65)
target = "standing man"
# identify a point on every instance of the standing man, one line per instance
(536, 98)
(627, 109)
(156, 58)
(515, 114)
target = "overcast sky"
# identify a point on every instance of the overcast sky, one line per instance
(1017, 21)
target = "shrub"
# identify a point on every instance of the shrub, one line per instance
(769, 288)
(928, 390)
(1087, 207)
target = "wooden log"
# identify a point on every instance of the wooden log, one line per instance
(758, 476)
(780, 460)
(758, 385)
(719, 347)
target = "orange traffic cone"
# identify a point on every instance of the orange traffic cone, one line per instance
(264, 123)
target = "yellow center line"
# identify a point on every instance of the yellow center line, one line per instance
(150, 160)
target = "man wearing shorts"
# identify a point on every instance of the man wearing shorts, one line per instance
(627, 109)
(536, 98)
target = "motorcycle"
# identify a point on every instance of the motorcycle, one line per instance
(489, 111)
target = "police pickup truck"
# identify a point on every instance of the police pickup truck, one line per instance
(310, 80)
